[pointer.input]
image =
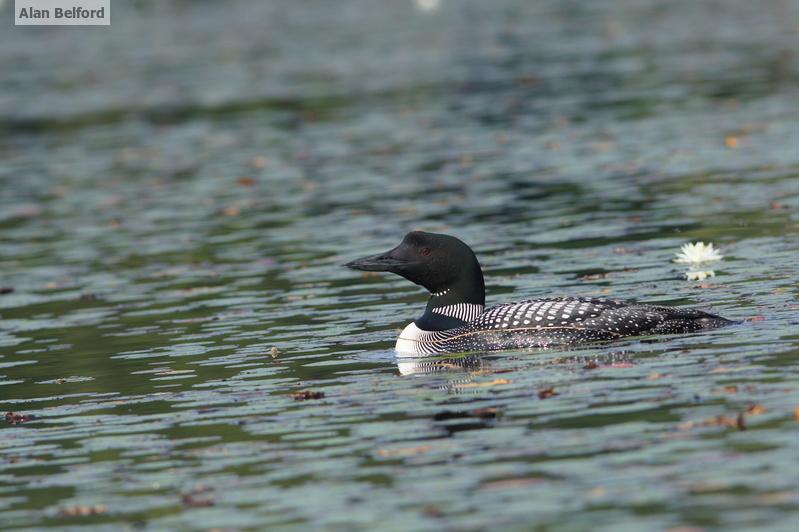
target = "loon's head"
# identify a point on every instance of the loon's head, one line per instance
(442, 264)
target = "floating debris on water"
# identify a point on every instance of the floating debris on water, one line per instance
(16, 419)
(83, 511)
(547, 393)
(199, 497)
(307, 394)
(737, 422)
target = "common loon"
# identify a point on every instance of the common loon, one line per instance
(456, 321)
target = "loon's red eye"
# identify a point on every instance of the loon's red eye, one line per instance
(424, 252)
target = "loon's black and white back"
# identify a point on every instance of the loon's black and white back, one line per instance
(455, 319)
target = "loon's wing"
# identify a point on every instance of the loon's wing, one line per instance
(548, 312)
(610, 317)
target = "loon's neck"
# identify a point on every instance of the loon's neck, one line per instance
(455, 305)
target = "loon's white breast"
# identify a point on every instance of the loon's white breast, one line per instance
(415, 341)
(408, 343)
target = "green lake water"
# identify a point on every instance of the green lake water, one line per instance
(179, 190)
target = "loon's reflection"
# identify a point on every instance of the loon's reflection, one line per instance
(467, 366)
(481, 363)
(414, 366)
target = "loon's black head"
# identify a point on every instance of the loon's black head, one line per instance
(442, 264)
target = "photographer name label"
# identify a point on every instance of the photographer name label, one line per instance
(62, 12)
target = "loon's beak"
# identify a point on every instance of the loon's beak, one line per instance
(382, 262)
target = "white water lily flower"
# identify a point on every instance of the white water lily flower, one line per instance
(694, 253)
(697, 275)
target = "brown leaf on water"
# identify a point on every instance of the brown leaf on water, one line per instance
(731, 141)
(245, 181)
(5, 290)
(305, 395)
(796, 413)
(591, 365)
(82, 510)
(754, 410)
(16, 419)
(656, 376)
(199, 497)
(755, 318)
(730, 389)
(547, 393)
(717, 421)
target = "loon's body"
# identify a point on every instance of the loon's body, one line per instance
(455, 319)
(551, 322)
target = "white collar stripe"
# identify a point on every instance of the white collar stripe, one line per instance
(462, 311)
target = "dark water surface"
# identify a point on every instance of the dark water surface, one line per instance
(179, 190)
